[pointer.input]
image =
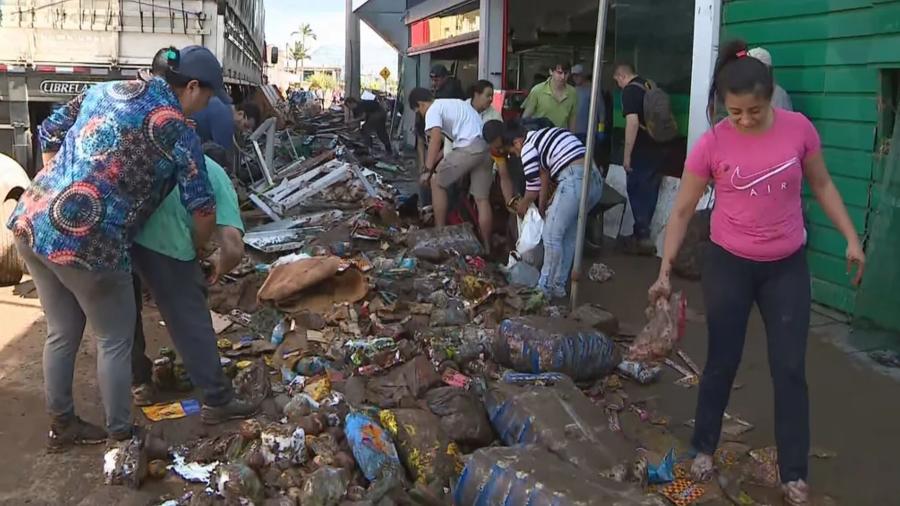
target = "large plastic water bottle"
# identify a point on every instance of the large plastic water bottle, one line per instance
(278, 333)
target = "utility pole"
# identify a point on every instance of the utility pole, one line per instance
(351, 53)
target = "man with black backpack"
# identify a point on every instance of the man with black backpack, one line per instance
(648, 124)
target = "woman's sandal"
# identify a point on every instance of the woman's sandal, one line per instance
(702, 468)
(796, 493)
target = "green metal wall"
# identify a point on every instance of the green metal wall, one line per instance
(828, 55)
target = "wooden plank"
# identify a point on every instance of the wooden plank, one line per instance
(846, 134)
(884, 50)
(855, 192)
(835, 25)
(826, 240)
(815, 214)
(832, 79)
(836, 297)
(829, 268)
(836, 107)
(748, 10)
(848, 51)
(848, 162)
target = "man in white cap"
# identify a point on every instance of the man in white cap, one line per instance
(780, 98)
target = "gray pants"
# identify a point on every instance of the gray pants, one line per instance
(179, 290)
(70, 297)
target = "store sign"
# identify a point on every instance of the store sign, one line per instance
(436, 29)
(50, 87)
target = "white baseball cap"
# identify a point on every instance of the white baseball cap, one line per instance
(578, 69)
(761, 55)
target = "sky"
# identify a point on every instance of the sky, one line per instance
(326, 17)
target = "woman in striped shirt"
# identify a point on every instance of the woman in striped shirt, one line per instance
(549, 154)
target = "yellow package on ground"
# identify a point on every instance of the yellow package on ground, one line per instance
(172, 410)
(425, 450)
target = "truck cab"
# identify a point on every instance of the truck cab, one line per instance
(49, 56)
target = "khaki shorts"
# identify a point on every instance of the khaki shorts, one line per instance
(474, 160)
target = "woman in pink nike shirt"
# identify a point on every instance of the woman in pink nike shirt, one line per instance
(757, 158)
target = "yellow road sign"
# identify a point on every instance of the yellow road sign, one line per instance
(385, 73)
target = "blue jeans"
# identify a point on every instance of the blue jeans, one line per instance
(643, 191)
(561, 226)
(179, 290)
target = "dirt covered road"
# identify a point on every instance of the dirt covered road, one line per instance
(854, 410)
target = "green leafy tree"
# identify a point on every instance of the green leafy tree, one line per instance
(322, 81)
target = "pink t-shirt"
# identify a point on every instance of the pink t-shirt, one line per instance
(758, 212)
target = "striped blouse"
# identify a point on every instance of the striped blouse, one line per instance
(550, 148)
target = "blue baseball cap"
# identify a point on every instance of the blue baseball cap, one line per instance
(197, 62)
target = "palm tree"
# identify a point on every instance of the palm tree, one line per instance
(301, 50)
(299, 53)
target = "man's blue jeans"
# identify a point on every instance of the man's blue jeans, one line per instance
(561, 226)
(643, 191)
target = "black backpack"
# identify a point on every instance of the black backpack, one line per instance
(658, 118)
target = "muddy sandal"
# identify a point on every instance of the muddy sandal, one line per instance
(796, 493)
(702, 468)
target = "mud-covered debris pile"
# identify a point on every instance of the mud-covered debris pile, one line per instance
(393, 363)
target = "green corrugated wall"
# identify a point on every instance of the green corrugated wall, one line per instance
(828, 55)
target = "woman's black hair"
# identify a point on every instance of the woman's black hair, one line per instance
(514, 130)
(738, 73)
(479, 87)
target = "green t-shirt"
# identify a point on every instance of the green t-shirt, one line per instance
(546, 105)
(168, 231)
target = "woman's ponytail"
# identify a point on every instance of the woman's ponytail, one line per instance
(737, 72)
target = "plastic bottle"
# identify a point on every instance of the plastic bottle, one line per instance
(278, 333)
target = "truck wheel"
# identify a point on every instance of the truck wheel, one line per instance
(10, 265)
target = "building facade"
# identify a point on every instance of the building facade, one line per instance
(839, 61)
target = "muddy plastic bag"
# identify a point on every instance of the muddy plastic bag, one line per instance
(458, 238)
(372, 447)
(665, 327)
(409, 380)
(283, 444)
(531, 475)
(462, 416)
(325, 487)
(535, 345)
(424, 448)
(560, 418)
(125, 463)
(238, 483)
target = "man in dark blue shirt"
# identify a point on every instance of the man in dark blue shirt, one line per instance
(217, 123)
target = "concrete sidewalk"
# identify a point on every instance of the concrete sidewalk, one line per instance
(854, 409)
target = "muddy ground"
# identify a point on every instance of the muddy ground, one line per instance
(855, 412)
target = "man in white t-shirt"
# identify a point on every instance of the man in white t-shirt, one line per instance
(459, 124)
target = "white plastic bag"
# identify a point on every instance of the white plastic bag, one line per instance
(531, 227)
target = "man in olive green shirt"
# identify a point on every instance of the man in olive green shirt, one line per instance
(165, 258)
(554, 99)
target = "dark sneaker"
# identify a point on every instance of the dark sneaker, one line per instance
(115, 437)
(143, 394)
(63, 436)
(639, 247)
(234, 410)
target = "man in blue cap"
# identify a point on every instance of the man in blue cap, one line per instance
(218, 121)
(110, 157)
